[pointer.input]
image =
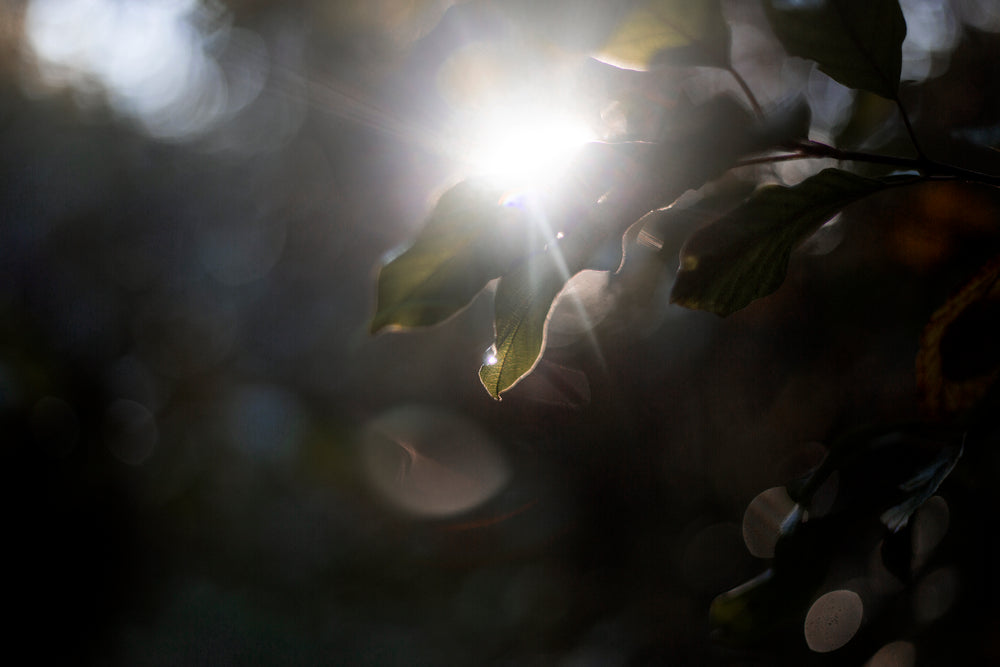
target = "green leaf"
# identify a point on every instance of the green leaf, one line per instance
(523, 300)
(675, 32)
(469, 239)
(744, 255)
(857, 42)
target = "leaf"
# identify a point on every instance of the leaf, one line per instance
(523, 300)
(857, 42)
(642, 176)
(469, 239)
(676, 32)
(884, 472)
(958, 360)
(744, 255)
(869, 124)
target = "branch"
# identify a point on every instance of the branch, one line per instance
(745, 87)
(818, 149)
(909, 127)
(814, 150)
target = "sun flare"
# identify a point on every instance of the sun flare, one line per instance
(525, 148)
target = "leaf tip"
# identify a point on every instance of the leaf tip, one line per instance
(381, 321)
(490, 384)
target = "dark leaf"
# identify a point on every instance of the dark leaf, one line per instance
(857, 42)
(887, 471)
(671, 32)
(958, 361)
(706, 140)
(469, 239)
(744, 255)
(870, 123)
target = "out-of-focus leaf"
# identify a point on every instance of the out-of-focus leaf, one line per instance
(523, 300)
(469, 239)
(958, 358)
(857, 42)
(555, 385)
(744, 255)
(869, 124)
(887, 470)
(675, 32)
(575, 25)
(885, 473)
(705, 140)
(771, 602)
(663, 232)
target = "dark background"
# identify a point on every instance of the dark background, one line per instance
(190, 399)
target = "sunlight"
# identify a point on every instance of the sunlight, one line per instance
(525, 147)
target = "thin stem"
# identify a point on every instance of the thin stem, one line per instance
(745, 87)
(813, 150)
(770, 159)
(909, 128)
(817, 149)
(968, 175)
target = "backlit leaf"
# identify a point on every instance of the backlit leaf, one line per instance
(523, 300)
(744, 255)
(857, 42)
(469, 239)
(645, 176)
(677, 32)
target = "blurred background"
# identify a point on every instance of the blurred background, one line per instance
(208, 460)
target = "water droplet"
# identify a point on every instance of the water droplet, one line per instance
(491, 358)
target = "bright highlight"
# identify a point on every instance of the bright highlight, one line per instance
(526, 148)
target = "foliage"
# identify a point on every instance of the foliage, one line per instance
(744, 255)
(739, 257)
(857, 43)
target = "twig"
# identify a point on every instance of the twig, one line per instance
(745, 87)
(770, 159)
(813, 150)
(909, 128)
